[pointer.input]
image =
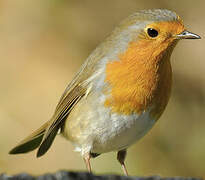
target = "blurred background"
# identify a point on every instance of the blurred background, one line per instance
(43, 44)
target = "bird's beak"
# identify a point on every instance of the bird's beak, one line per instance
(187, 35)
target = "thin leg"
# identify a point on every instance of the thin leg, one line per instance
(121, 155)
(87, 162)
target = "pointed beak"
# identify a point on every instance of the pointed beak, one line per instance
(187, 35)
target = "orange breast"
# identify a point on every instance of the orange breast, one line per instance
(140, 79)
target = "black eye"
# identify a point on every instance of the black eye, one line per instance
(152, 32)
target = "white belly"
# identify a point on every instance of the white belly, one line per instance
(121, 131)
(93, 128)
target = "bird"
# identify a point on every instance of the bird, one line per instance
(120, 91)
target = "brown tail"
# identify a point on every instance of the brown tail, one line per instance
(31, 142)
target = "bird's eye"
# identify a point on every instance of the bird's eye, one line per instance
(152, 32)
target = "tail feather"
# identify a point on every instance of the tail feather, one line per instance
(45, 145)
(44, 136)
(31, 142)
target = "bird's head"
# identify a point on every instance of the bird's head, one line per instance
(154, 27)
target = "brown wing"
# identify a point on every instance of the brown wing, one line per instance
(60, 115)
(44, 136)
(71, 96)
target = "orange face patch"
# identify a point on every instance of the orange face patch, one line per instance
(167, 29)
(142, 76)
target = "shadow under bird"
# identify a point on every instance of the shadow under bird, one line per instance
(119, 92)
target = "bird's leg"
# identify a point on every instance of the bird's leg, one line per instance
(86, 158)
(121, 155)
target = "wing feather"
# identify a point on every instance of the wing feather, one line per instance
(59, 118)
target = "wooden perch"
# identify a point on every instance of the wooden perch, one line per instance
(64, 175)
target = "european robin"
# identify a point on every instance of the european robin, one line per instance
(120, 91)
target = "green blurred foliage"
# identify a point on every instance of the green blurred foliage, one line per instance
(43, 43)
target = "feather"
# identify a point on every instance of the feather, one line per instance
(59, 118)
(44, 136)
(31, 142)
